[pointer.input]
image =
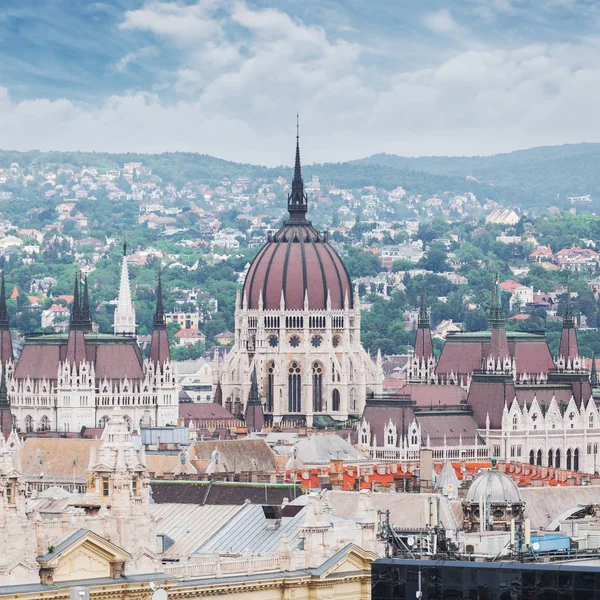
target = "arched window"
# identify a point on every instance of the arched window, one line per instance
(294, 388)
(128, 421)
(539, 458)
(317, 374)
(515, 422)
(591, 421)
(335, 400)
(576, 460)
(569, 459)
(557, 458)
(364, 437)
(103, 422)
(353, 407)
(28, 423)
(531, 457)
(270, 386)
(45, 423)
(550, 458)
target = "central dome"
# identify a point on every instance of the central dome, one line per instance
(297, 261)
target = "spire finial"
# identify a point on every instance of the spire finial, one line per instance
(124, 248)
(594, 372)
(297, 199)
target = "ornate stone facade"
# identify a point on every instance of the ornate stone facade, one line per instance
(63, 382)
(114, 517)
(298, 324)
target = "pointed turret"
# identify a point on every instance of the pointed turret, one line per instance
(5, 413)
(255, 418)
(76, 308)
(499, 344)
(6, 349)
(124, 318)
(76, 343)
(297, 199)
(569, 348)
(159, 344)
(86, 313)
(423, 342)
(594, 372)
(218, 398)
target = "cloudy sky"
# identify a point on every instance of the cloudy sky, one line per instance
(226, 77)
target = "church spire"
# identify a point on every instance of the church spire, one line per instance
(6, 349)
(3, 309)
(86, 314)
(255, 418)
(423, 321)
(568, 318)
(297, 199)
(76, 309)
(594, 372)
(159, 314)
(568, 348)
(124, 318)
(496, 319)
(4, 401)
(159, 343)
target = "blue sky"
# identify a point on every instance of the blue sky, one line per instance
(225, 77)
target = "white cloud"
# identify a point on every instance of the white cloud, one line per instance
(442, 22)
(238, 95)
(187, 24)
(134, 57)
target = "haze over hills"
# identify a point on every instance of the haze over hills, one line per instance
(535, 177)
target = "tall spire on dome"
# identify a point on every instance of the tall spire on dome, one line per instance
(297, 199)
(124, 318)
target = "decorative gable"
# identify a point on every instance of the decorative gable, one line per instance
(83, 555)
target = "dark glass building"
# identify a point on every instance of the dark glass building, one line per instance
(394, 579)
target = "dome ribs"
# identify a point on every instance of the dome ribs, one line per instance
(337, 272)
(284, 278)
(300, 263)
(253, 269)
(304, 275)
(323, 275)
(267, 273)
